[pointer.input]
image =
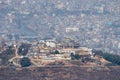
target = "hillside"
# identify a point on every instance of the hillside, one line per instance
(72, 70)
(58, 73)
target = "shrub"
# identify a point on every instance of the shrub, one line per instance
(25, 62)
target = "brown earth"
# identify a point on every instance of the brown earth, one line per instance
(59, 73)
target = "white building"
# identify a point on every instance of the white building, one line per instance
(119, 45)
(72, 29)
(51, 44)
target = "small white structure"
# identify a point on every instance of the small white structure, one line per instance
(119, 45)
(50, 44)
(72, 29)
(100, 9)
(85, 49)
(41, 41)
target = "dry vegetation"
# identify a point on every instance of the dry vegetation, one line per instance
(59, 73)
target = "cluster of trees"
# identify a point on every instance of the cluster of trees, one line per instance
(115, 59)
(10, 50)
(75, 56)
(7, 54)
(23, 50)
(86, 59)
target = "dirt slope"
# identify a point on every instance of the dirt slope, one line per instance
(59, 73)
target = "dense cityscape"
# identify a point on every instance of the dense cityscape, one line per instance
(75, 34)
(94, 24)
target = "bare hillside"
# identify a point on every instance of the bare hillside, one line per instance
(59, 73)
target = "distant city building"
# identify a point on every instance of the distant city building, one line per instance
(119, 45)
(74, 29)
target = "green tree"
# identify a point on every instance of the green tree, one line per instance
(23, 49)
(10, 50)
(56, 52)
(75, 56)
(114, 59)
(6, 55)
(25, 62)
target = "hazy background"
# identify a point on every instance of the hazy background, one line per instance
(96, 22)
